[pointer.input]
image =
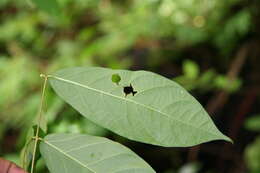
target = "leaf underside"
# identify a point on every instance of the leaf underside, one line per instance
(69, 153)
(160, 113)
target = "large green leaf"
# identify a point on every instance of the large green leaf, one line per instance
(160, 113)
(69, 153)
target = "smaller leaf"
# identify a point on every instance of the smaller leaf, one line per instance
(26, 154)
(42, 124)
(89, 154)
(27, 151)
(223, 82)
(252, 156)
(116, 78)
(191, 69)
(253, 123)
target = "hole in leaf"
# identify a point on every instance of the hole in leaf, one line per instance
(129, 90)
(116, 78)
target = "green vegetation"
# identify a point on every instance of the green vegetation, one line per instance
(208, 47)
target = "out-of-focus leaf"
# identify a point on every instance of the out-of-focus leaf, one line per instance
(160, 113)
(53, 108)
(190, 168)
(49, 6)
(19, 76)
(237, 26)
(92, 129)
(90, 154)
(252, 156)
(190, 69)
(206, 78)
(27, 151)
(223, 82)
(253, 123)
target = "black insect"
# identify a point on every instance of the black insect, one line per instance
(128, 90)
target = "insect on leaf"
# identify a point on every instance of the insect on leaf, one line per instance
(129, 90)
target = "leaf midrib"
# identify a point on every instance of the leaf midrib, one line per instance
(122, 98)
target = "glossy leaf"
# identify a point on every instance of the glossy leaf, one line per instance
(160, 113)
(67, 153)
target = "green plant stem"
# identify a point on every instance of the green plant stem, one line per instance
(36, 138)
(40, 139)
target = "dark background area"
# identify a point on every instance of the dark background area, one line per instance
(210, 47)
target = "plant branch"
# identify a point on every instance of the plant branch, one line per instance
(36, 138)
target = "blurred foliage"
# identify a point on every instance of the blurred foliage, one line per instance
(165, 36)
(208, 80)
(252, 152)
(253, 156)
(253, 123)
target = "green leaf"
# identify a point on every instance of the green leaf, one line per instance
(223, 82)
(27, 154)
(190, 69)
(160, 113)
(27, 151)
(252, 155)
(89, 154)
(253, 123)
(49, 6)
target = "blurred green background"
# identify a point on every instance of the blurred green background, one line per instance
(210, 47)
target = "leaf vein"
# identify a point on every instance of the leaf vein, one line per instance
(70, 157)
(83, 146)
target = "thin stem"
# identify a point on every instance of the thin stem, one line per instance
(39, 121)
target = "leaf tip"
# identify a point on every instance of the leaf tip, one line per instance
(228, 139)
